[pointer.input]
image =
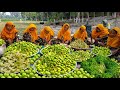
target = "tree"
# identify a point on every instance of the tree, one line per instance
(15, 14)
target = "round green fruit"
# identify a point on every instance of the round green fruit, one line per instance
(3, 77)
(9, 77)
(16, 77)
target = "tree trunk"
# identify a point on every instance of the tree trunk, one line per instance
(82, 17)
(108, 14)
(36, 16)
(88, 15)
(94, 17)
(115, 14)
(103, 14)
(78, 17)
(70, 15)
(25, 16)
(74, 20)
(115, 19)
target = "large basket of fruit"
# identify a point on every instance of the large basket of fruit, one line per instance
(80, 56)
(55, 60)
(14, 62)
(79, 45)
(42, 69)
(56, 48)
(24, 47)
(2, 42)
(103, 51)
(2, 47)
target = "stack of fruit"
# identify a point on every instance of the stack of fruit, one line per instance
(77, 73)
(2, 42)
(101, 51)
(57, 62)
(28, 73)
(13, 62)
(80, 56)
(52, 64)
(27, 48)
(57, 49)
(24, 47)
(79, 44)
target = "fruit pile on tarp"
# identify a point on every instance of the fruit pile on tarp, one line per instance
(57, 49)
(17, 57)
(27, 48)
(79, 44)
(103, 51)
(2, 42)
(81, 55)
(13, 62)
(77, 73)
(56, 60)
(24, 47)
(28, 73)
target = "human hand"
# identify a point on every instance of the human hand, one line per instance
(9, 41)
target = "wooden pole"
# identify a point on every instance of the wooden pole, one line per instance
(94, 17)
(82, 16)
(108, 14)
(115, 19)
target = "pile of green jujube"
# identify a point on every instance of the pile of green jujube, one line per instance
(81, 55)
(55, 64)
(13, 62)
(28, 73)
(79, 44)
(2, 42)
(57, 48)
(77, 73)
(24, 47)
(27, 48)
(101, 51)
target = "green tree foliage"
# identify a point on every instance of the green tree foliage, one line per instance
(60, 15)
